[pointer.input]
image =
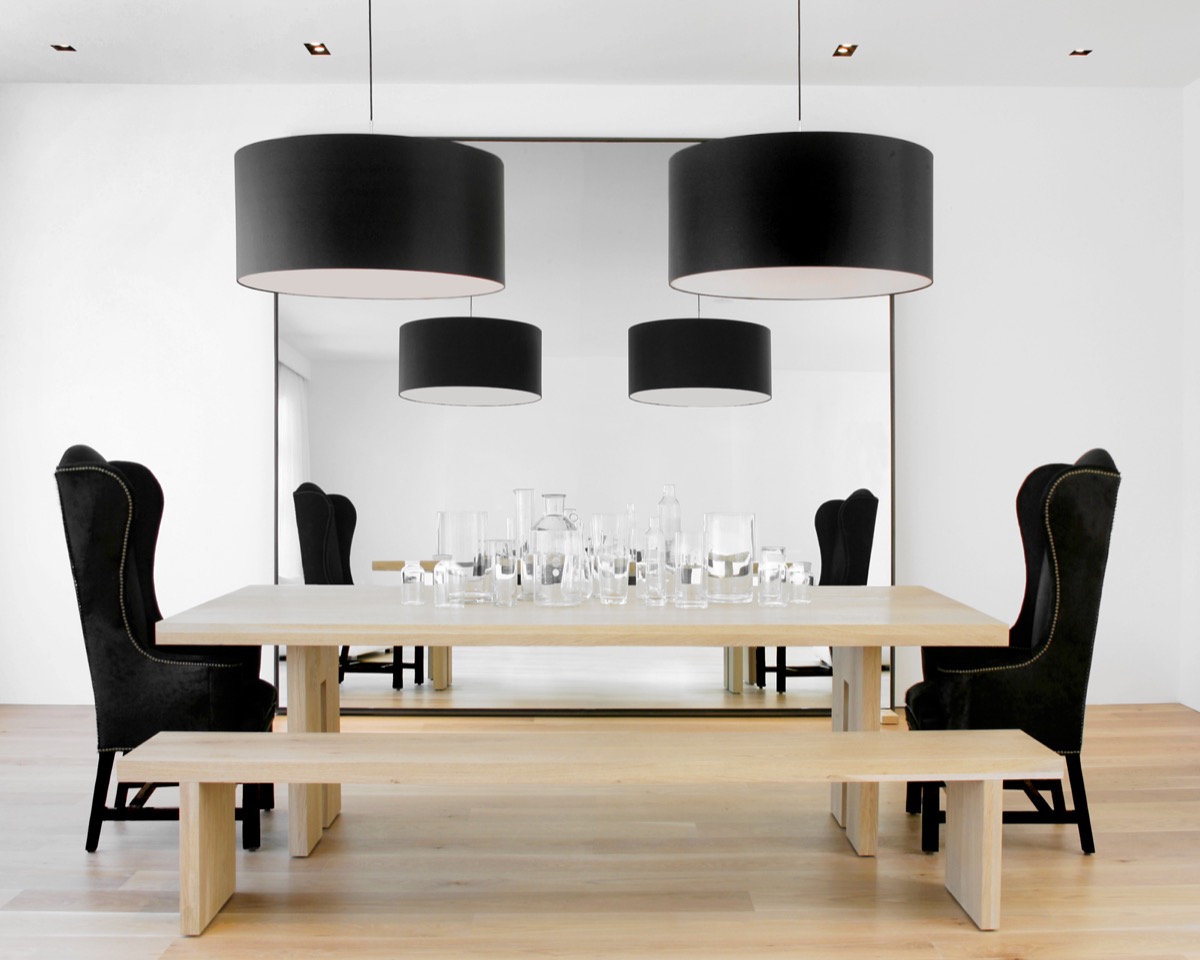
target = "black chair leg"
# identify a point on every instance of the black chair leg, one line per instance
(266, 796)
(931, 816)
(418, 665)
(1079, 798)
(781, 669)
(397, 668)
(99, 798)
(912, 797)
(251, 828)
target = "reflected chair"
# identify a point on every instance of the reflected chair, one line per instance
(111, 515)
(1038, 683)
(326, 524)
(845, 534)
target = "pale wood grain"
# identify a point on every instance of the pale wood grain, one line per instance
(207, 865)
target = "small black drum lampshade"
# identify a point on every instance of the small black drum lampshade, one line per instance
(699, 362)
(470, 361)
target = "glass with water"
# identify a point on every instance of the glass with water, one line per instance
(729, 556)
(504, 560)
(801, 582)
(610, 547)
(690, 570)
(772, 577)
(411, 579)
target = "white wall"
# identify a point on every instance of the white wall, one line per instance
(1189, 569)
(1055, 324)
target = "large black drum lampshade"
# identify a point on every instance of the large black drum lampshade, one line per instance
(470, 361)
(801, 216)
(699, 362)
(369, 216)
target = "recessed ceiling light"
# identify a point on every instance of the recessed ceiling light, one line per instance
(1080, 53)
(63, 47)
(845, 49)
(317, 49)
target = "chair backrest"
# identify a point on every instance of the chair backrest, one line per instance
(845, 534)
(111, 514)
(325, 523)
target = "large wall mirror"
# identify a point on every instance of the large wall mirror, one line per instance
(586, 250)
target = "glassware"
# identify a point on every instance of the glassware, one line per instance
(668, 519)
(772, 576)
(441, 581)
(502, 555)
(801, 580)
(556, 551)
(651, 569)
(461, 536)
(411, 579)
(610, 548)
(690, 587)
(523, 541)
(729, 556)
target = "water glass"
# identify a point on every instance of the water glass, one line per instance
(690, 570)
(610, 549)
(801, 581)
(461, 537)
(504, 560)
(729, 556)
(442, 569)
(772, 574)
(411, 578)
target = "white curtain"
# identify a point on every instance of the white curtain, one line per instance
(293, 467)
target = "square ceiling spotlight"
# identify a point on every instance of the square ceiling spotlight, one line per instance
(1081, 53)
(63, 47)
(317, 49)
(845, 49)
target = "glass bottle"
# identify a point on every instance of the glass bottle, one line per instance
(556, 551)
(668, 519)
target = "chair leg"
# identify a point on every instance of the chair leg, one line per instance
(418, 665)
(1079, 798)
(99, 797)
(931, 816)
(912, 797)
(781, 669)
(397, 668)
(266, 796)
(251, 827)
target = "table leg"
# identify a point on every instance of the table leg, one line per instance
(735, 659)
(974, 815)
(439, 667)
(207, 848)
(313, 707)
(856, 678)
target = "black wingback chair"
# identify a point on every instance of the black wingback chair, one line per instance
(845, 535)
(1038, 683)
(326, 523)
(111, 514)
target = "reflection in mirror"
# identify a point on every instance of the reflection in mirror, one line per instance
(586, 226)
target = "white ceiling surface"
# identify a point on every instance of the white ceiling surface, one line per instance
(901, 42)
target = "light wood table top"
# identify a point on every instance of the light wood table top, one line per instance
(309, 615)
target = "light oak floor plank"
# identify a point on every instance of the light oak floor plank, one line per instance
(692, 872)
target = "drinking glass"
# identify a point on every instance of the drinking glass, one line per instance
(801, 580)
(690, 575)
(729, 556)
(442, 568)
(411, 578)
(523, 543)
(772, 574)
(610, 548)
(504, 561)
(461, 536)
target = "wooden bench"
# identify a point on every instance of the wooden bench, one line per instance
(207, 766)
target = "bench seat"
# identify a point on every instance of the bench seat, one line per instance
(972, 763)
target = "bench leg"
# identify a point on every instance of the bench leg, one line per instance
(735, 676)
(974, 815)
(439, 667)
(856, 679)
(207, 865)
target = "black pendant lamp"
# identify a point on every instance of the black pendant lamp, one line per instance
(801, 216)
(699, 362)
(470, 361)
(369, 216)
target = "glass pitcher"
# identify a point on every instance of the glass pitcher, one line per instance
(557, 547)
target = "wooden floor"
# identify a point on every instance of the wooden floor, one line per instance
(510, 872)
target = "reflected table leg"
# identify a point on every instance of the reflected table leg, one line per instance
(856, 678)
(313, 707)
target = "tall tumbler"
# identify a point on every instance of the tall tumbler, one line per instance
(461, 536)
(690, 572)
(610, 546)
(523, 542)
(729, 556)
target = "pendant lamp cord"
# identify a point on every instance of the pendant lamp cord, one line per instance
(697, 306)
(370, 68)
(799, 95)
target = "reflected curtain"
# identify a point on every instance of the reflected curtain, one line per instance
(293, 467)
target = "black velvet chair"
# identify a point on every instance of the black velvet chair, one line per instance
(111, 514)
(326, 523)
(1038, 683)
(845, 534)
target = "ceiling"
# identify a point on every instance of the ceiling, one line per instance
(901, 42)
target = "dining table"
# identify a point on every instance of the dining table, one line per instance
(314, 621)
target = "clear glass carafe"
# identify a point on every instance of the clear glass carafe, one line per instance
(557, 549)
